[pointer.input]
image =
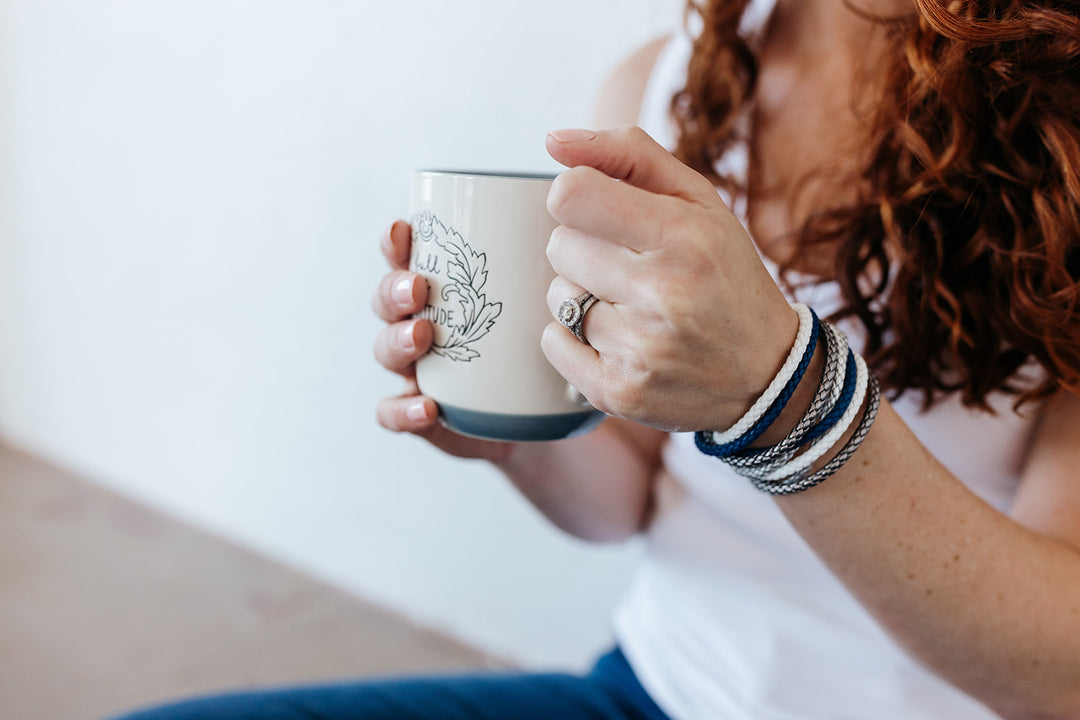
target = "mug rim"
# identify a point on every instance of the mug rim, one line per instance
(506, 174)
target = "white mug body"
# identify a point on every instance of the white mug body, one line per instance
(480, 239)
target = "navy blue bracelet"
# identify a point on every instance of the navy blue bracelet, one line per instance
(703, 439)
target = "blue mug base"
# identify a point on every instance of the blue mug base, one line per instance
(519, 428)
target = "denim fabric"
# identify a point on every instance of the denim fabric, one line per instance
(609, 691)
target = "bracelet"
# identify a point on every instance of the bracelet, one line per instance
(821, 446)
(782, 466)
(708, 444)
(714, 443)
(846, 387)
(828, 392)
(798, 484)
(836, 412)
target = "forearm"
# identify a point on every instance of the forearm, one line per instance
(596, 487)
(989, 605)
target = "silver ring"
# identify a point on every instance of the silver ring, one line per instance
(572, 313)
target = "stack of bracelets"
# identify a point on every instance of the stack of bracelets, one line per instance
(785, 468)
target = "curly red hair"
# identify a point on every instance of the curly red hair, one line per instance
(968, 209)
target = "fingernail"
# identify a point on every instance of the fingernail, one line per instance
(573, 135)
(408, 337)
(402, 291)
(416, 411)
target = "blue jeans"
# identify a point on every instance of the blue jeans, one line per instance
(609, 691)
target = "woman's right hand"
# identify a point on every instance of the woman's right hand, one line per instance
(405, 339)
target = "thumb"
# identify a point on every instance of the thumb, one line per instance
(629, 154)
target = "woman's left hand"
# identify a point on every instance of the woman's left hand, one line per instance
(690, 327)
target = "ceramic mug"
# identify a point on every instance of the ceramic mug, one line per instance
(480, 239)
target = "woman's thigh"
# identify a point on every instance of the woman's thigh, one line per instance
(609, 692)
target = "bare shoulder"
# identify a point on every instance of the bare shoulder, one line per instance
(1048, 500)
(619, 99)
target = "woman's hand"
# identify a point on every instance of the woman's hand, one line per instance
(690, 328)
(398, 346)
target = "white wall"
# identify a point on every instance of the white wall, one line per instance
(190, 199)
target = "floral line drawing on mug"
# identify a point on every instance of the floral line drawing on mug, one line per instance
(466, 272)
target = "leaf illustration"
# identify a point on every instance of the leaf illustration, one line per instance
(478, 269)
(487, 318)
(467, 272)
(458, 267)
(458, 273)
(460, 353)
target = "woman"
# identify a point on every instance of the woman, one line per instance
(910, 169)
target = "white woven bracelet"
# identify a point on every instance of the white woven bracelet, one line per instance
(762, 404)
(826, 441)
(832, 385)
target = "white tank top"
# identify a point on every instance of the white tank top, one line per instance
(731, 616)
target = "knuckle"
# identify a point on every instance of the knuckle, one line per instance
(634, 133)
(381, 349)
(547, 339)
(401, 414)
(562, 250)
(554, 295)
(555, 243)
(382, 300)
(558, 195)
(390, 352)
(566, 188)
(385, 416)
(382, 293)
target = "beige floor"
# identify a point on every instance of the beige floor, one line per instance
(105, 605)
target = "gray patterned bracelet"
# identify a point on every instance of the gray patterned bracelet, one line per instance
(800, 481)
